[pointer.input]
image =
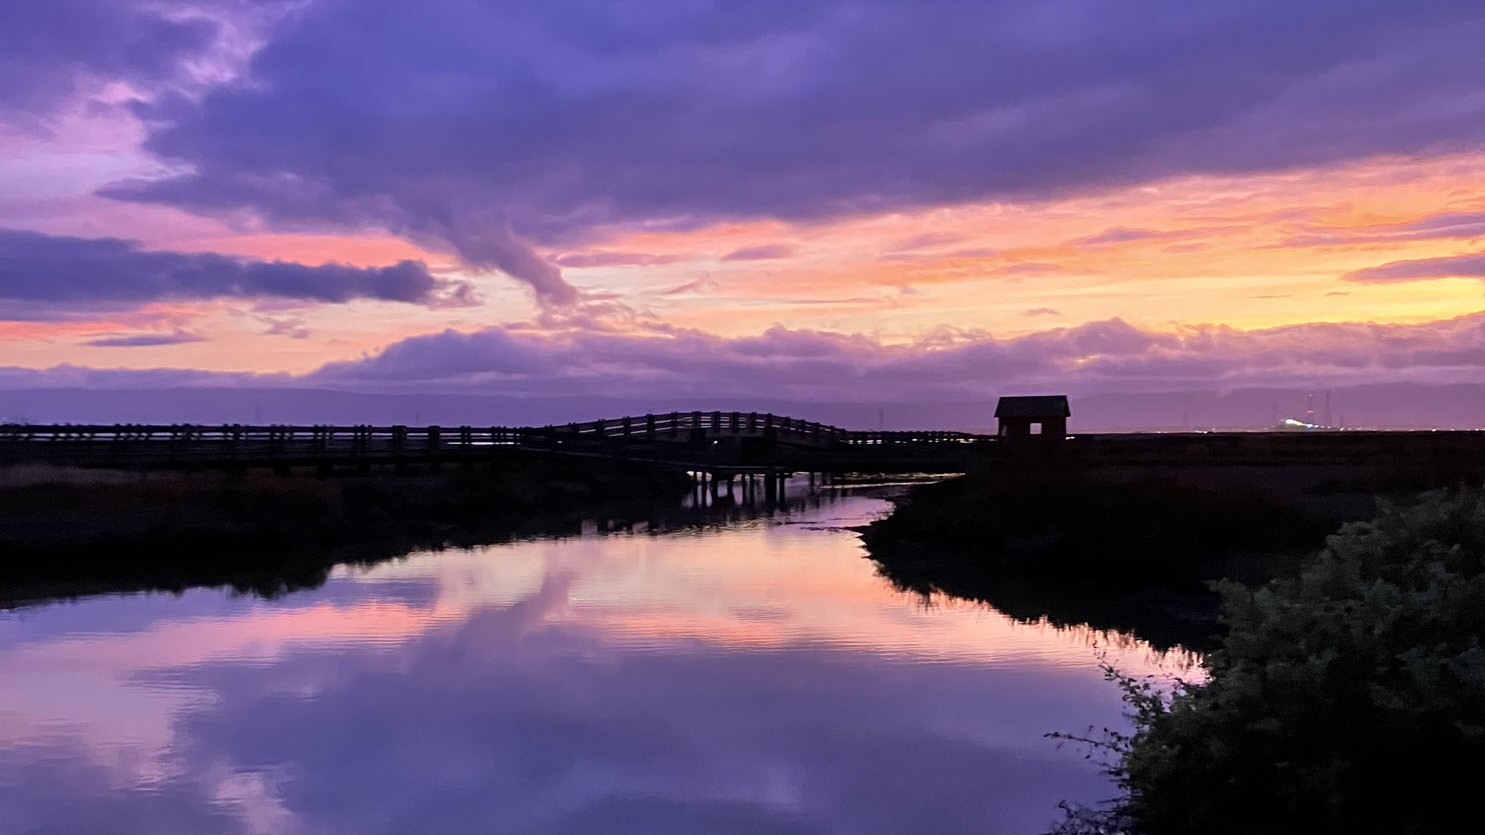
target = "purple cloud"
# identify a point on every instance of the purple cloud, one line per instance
(817, 366)
(1457, 266)
(1042, 311)
(530, 375)
(766, 252)
(694, 367)
(497, 128)
(65, 273)
(50, 47)
(144, 340)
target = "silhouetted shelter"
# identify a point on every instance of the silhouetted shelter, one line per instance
(1043, 415)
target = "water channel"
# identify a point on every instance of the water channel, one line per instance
(746, 675)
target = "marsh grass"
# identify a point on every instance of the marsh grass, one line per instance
(66, 532)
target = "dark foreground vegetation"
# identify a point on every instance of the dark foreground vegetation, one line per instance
(1349, 698)
(66, 533)
(1345, 687)
(1072, 547)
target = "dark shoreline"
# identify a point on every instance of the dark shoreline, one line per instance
(67, 534)
(1073, 546)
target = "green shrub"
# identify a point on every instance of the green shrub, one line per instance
(1350, 698)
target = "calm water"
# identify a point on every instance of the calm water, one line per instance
(755, 677)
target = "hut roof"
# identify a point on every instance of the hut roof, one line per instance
(1040, 406)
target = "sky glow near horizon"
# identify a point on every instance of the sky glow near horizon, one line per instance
(933, 200)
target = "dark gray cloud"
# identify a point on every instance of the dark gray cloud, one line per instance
(61, 274)
(494, 126)
(1456, 266)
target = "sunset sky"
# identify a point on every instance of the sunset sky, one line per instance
(823, 200)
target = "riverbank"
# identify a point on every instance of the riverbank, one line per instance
(74, 532)
(1075, 546)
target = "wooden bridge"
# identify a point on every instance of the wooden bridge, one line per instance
(725, 445)
(718, 443)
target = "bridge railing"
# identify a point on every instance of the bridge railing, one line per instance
(681, 425)
(102, 444)
(227, 442)
(716, 423)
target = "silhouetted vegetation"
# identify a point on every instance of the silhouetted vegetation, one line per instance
(69, 533)
(1059, 543)
(1350, 698)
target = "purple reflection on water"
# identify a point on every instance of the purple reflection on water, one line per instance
(750, 679)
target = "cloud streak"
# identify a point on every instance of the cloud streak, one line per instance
(144, 340)
(1423, 269)
(764, 252)
(62, 273)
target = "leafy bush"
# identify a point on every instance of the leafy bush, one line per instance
(1350, 698)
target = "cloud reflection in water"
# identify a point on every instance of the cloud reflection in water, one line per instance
(752, 679)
